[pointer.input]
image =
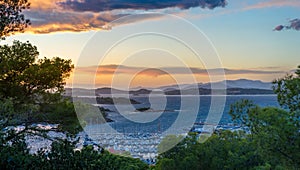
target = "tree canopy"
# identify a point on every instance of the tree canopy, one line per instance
(288, 91)
(25, 77)
(35, 86)
(12, 18)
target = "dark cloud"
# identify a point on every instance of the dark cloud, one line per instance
(47, 22)
(84, 15)
(294, 24)
(108, 5)
(278, 28)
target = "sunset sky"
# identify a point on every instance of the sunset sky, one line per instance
(254, 39)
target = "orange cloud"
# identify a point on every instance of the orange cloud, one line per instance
(43, 22)
(120, 69)
(79, 15)
(47, 22)
(161, 71)
(44, 4)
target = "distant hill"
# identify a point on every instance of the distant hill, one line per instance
(140, 91)
(102, 91)
(240, 83)
(229, 91)
(119, 100)
(234, 87)
(182, 86)
(79, 92)
(107, 90)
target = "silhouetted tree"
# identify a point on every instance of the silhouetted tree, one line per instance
(27, 79)
(35, 86)
(288, 91)
(11, 17)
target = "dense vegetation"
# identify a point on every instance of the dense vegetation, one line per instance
(33, 87)
(63, 155)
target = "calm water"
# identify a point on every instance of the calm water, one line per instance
(162, 120)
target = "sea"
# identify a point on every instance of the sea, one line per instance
(140, 133)
(163, 113)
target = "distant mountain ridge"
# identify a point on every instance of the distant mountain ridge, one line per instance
(234, 87)
(229, 91)
(243, 83)
(240, 83)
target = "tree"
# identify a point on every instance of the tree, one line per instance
(27, 79)
(35, 86)
(166, 164)
(288, 91)
(168, 142)
(274, 130)
(11, 17)
(223, 150)
(64, 155)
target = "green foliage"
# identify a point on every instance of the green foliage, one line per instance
(13, 61)
(11, 17)
(168, 142)
(166, 164)
(90, 114)
(16, 156)
(63, 155)
(62, 113)
(7, 112)
(234, 150)
(27, 80)
(239, 112)
(35, 86)
(275, 131)
(288, 91)
(225, 150)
